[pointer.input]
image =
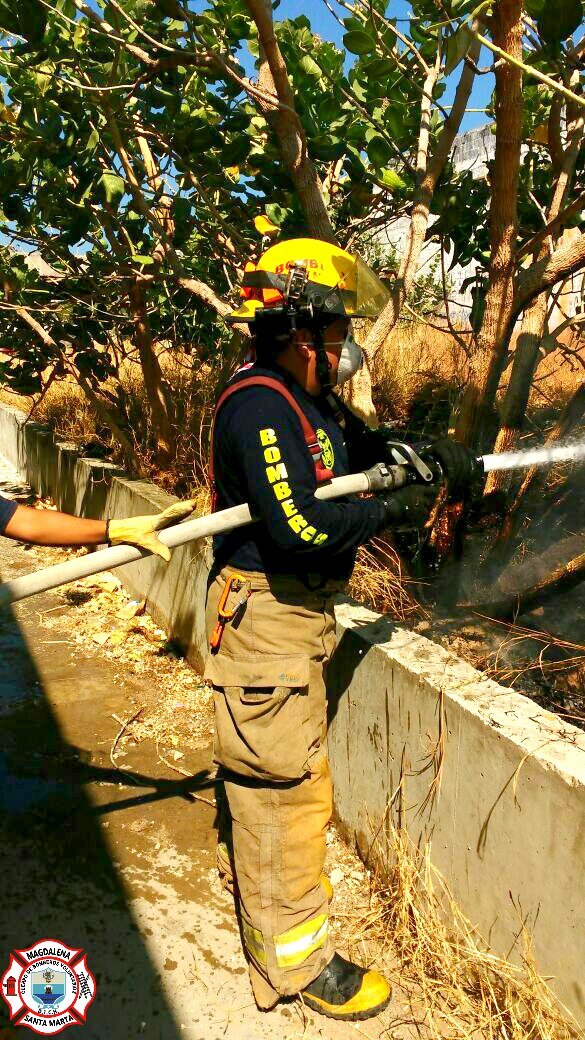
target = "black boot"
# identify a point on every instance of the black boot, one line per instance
(344, 990)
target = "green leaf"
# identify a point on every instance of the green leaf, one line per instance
(79, 37)
(457, 47)
(390, 179)
(166, 7)
(378, 150)
(13, 207)
(275, 213)
(352, 23)
(113, 188)
(558, 19)
(359, 42)
(92, 141)
(463, 7)
(310, 67)
(144, 260)
(236, 151)
(394, 121)
(381, 68)
(28, 18)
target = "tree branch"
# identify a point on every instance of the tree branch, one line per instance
(551, 227)
(422, 200)
(565, 261)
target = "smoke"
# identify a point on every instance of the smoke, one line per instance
(534, 457)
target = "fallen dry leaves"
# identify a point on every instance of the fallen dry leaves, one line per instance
(98, 612)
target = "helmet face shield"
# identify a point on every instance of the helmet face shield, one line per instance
(371, 294)
(367, 296)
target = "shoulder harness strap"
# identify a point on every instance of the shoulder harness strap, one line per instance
(321, 472)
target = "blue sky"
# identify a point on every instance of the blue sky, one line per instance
(327, 26)
(323, 23)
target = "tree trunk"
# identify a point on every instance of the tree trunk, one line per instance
(153, 380)
(357, 394)
(493, 336)
(562, 576)
(106, 415)
(529, 345)
(514, 405)
(541, 276)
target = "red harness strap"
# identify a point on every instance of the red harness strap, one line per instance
(321, 472)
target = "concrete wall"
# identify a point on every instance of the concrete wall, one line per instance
(507, 824)
(92, 488)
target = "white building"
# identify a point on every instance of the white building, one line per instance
(472, 151)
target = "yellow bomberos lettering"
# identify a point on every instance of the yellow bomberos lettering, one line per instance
(297, 523)
(272, 454)
(277, 476)
(267, 437)
(275, 473)
(282, 490)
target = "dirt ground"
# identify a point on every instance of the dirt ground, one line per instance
(156, 710)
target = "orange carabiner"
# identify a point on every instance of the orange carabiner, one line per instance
(224, 615)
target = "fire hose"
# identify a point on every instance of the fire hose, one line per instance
(409, 467)
(379, 478)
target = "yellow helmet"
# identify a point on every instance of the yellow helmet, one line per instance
(309, 278)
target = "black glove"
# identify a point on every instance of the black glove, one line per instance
(459, 463)
(410, 506)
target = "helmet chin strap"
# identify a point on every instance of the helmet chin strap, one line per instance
(323, 363)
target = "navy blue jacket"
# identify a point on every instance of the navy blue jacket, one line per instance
(261, 458)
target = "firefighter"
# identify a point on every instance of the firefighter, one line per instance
(47, 527)
(278, 432)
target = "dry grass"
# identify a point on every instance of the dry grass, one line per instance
(458, 987)
(378, 582)
(192, 390)
(417, 378)
(417, 363)
(567, 656)
(423, 369)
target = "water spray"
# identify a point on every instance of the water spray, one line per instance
(509, 460)
(409, 467)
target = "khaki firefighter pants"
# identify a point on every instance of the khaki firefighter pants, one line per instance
(271, 722)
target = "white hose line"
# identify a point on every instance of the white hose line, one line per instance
(180, 534)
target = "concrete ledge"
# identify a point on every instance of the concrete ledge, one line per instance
(89, 487)
(507, 825)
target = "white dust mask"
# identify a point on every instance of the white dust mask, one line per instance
(351, 359)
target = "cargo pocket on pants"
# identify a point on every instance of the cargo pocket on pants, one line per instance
(262, 726)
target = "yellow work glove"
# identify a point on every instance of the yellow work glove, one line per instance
(141, 530)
